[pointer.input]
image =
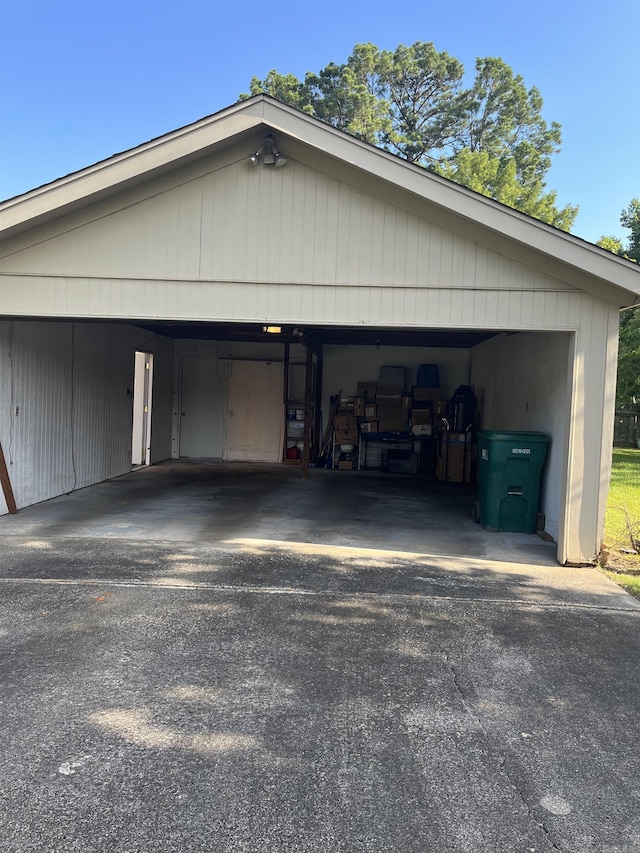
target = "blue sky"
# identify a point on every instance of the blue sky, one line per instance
(84, 79)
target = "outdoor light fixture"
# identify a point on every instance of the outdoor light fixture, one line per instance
(272, 330)
(268, 153)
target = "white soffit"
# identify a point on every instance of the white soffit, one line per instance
(581, 263)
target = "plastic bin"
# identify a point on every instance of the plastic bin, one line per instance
(509, 468)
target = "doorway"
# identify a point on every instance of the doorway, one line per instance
(202, 401)
(255, 412)
(142, 391)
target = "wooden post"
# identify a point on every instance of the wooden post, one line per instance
(285, 396)
(6, 484)
(307, 413)
(317, 424)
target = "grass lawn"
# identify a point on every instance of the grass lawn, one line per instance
(622, 523)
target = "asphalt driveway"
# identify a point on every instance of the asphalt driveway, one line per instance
(208, 659)
(171, 697)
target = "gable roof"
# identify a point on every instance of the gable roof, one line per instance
(490, 223)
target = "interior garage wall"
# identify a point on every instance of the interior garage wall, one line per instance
(225, 353)
(66, 414)
(521, 382)
(345, 366)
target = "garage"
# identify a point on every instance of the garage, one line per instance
(191, 297)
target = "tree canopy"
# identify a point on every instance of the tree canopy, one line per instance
(628, 387)
(490, 137)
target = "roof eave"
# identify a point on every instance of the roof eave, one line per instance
(582, 260)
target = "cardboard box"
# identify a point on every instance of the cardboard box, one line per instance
(393, 419)
(345, 465)
(367, 390)
(455, 457)
(346, 422)
(426, 394)
(358, 408)
(347, 437)
(420, 416)
(369, 426)
(455, 438)
(389, 395)
(370, 411)
(422, 429)
(455, 469)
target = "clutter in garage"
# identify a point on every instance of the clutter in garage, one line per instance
(389, 427)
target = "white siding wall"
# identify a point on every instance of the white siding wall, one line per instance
(290, 244)
(522, 383)
(564, 385)
(66, 414)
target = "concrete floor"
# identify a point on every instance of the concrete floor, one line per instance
(217, 657)
(229, 503)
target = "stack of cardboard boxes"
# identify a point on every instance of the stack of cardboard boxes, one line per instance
(392, 410)
(421, 412)
(346, 428)
(457, 455)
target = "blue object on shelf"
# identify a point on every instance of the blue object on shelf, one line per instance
(428, 376)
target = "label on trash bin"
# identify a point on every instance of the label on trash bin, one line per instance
(524, 450)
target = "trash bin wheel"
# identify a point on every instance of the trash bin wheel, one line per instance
(475, 512)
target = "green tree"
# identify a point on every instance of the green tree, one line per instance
(411, 101)
(628, 387)
(285, 87)
(630, 218)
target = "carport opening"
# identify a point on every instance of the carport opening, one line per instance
(276, 397)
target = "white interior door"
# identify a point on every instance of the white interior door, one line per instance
(255, 412)
(202, 397)
(142, 386)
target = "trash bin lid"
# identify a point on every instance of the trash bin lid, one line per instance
(512, 435)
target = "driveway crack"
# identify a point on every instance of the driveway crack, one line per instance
(502, 765)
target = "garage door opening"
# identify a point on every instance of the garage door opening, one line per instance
(142, 393)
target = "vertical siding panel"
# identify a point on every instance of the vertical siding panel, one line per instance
(308, 188)
(423, 248)
(411, 250)
(367, 236)
(241, 233)
(377, 242)
(352, 240)
(446, 259)
(458, 261)
(297, 183)
(342, 250)
(290, 269)
(435, 249)
(320, 235)
(388, 242)
(562, 309)
(484, 272)
(400, 248)
(527, 305)
(278, 230)
(206, 228)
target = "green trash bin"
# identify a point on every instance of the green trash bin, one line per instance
(509, 468)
